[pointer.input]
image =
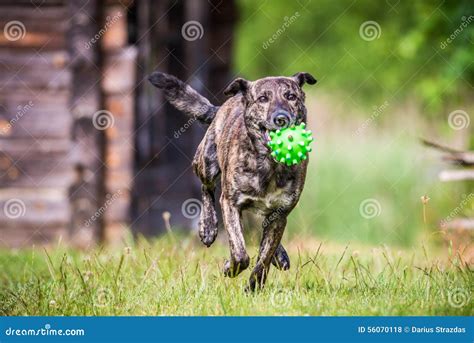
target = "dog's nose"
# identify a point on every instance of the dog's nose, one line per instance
(281, 119)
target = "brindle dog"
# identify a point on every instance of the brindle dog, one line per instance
(235, 148)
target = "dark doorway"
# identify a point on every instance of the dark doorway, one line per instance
(165, 139)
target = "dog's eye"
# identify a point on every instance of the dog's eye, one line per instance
(290, 97)
(262, 98)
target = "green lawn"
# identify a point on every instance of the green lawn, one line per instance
(178, 276)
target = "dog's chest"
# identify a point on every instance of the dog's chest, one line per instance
(271, 198)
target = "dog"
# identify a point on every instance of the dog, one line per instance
(235, 149)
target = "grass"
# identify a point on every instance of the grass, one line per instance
(389, 169)
(175, 275)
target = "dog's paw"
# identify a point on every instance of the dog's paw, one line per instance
(257, 279)
(232, 270)
(208, 236)
(281, 260)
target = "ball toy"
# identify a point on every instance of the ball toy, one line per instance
(290, 145)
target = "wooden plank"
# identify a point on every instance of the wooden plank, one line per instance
(34, 115)
(125, 3)
(28, 236)
(33, 216)
(459, 237)
(461, 158)
(35, 146)
(115, 28)
(34, 207)
(35, 35)
(29, 27)
(45, 20)
(30, 163)
(119, 71)
(54, 59)
(456, 175)
(38, 4)
(23, 69)
(43, 99)
(459, 224)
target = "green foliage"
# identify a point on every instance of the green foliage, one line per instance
(369, 188)
(179, 276)
(412, 57)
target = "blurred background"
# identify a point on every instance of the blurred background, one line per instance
(89, 150)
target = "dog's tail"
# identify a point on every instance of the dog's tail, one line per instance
(184, 97)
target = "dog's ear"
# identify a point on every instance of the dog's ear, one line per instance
(302, 78)
(236, 86)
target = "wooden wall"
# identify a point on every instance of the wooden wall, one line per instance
(35, 123)
(68, 61)
(56, 168)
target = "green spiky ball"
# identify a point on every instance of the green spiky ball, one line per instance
(291, 145)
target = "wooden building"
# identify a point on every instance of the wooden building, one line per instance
(88, 149)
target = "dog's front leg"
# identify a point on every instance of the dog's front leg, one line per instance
(270, 241)
(208, 218)
(281, 260)
(239, 259)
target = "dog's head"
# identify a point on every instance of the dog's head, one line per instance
(272, 103)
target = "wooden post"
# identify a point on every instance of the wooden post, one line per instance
(118, 84)
(86, 193)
